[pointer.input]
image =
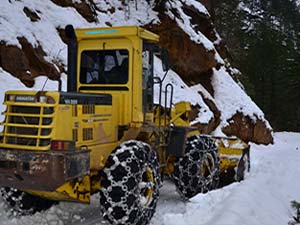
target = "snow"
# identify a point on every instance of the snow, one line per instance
(176, 12)
(181, 92)
(230, 99)
(44, 31)
(253, 9)
(185, 24)
(263, 198)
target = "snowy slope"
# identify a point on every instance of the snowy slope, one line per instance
(262, 199)
(232, 103)
(44, 33)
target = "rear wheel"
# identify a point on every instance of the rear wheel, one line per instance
(130, 184)
(22, 203)
(198, 170)
(243, 166)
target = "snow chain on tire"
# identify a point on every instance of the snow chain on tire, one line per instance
(21, 203)
(130, 184)
(198, 170)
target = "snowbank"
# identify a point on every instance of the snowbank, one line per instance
(263, 198)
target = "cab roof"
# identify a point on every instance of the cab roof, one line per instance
(115, 32)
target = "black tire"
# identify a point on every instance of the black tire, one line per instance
(130, 184)
(243, 166)
(198, 170)
(21, 203)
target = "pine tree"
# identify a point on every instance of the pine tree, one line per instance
(264, 39)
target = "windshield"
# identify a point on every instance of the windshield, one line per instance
(104, 67)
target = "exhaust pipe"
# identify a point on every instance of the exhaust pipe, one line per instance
(72, 58)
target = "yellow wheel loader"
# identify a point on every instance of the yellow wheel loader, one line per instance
(105, 134)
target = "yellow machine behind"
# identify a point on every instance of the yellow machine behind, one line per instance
(105, 134)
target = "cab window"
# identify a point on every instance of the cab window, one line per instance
(147, 59)
(104, 67)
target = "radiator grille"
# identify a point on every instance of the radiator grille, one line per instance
(28, 125)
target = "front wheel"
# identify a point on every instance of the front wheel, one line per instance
(130, 184)
(22, 203)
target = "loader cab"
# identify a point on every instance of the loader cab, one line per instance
(115, 61)
(111, 67)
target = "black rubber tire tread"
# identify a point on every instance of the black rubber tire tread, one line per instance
(189, 175)
(122, 184)
(21, 203)
(243, 167)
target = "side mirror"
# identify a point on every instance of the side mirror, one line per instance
(165, 59)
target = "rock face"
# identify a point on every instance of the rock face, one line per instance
(85, 9)
(198, 60)
(207, 128)
(28, 62)
(181, 47)
(193, 61)
(244, 128)
(34, 17)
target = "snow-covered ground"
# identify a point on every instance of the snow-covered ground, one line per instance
(263, 198)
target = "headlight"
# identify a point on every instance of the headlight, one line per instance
(11, 98)
(46, 99)
(43, 99)
(50, 100)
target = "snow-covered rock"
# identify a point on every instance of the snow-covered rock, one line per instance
(32, 44)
